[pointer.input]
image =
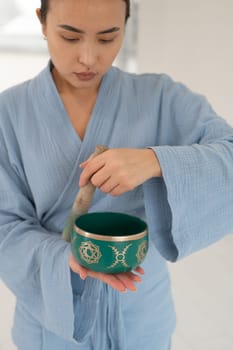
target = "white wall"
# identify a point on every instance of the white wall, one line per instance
(7, 304)
(191, 40)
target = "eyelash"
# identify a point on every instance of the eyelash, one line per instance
(68, 39)
(106, 41)
(102, 41)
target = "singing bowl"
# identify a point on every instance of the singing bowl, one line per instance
(109, 242)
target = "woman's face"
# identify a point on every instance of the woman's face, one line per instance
(84, 37)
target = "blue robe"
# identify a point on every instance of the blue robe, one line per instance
(187, 209)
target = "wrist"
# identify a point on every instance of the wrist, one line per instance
(156, 170)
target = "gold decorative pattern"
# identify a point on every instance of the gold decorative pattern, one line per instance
(141, 252)
(90, 252)
(120, 257)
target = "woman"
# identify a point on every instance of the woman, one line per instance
(169, 162)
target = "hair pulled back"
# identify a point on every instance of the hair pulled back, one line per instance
(45, 6)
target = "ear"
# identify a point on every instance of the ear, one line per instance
(38, 13)
(43, 24)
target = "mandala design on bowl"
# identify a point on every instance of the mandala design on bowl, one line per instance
(120, 256)
(90, 252)
(142, 249)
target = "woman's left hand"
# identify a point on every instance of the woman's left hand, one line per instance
(120, 170)
(120, 281)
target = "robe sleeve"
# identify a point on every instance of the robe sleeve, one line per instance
(34, 262)
(195, 193)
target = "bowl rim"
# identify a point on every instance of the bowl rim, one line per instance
(98, 237)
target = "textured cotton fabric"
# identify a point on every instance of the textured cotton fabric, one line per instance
(187, 209)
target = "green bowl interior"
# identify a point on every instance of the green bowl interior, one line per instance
(110, 224)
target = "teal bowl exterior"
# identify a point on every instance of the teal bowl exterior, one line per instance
(109, 242)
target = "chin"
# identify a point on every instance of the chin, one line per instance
(86, 84)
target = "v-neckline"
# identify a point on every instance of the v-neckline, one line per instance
(62, 115)
(58, 121)
(63, 132)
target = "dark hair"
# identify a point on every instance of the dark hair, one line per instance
(45, 6)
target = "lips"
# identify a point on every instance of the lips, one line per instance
(85, 76)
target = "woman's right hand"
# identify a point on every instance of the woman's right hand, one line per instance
(120, 281)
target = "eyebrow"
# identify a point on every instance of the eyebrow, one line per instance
(76, 30)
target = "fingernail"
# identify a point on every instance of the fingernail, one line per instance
(133, 289)
(82, 164)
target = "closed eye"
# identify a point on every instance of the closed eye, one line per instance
(106, 41)
(70, 39)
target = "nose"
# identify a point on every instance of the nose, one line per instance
(88, 55)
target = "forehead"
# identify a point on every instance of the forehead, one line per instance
(87, 13)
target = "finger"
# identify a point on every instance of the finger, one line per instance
(101, 177)
(134, 277)
(109, 279)
(128, 283)
(140, 270)
(73, 264)
(117, 191)
(83, 164)
(89, 170)
(83, 272)
(108, 186)
(77, 268)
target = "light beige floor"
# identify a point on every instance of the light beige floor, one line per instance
(202, 284)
